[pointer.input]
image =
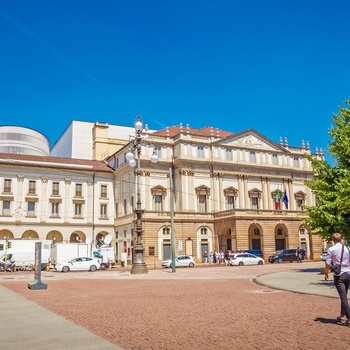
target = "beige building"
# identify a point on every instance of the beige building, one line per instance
(225, 191)
(59, 199)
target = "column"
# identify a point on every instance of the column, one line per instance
(44, 199)
(67, 201)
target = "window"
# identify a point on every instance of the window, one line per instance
(31, 209)
(7, 185)
(55, 209)
(279, 232)
(6, 208)
(202, 203)
(78, 190)
(116, 210)
(296, 162)
(166, 230)
(78, 209)
(103, 191)
(252, 157)
(55, 188)
(32, 187)
(103, 211)
(275, 159)
(228, 154)
(256, 232)
(200, 152)
(299, 204)
(230, 202)
(157, 151)
(204, 231)
(158, 203)
(125, 207)
(132, 203)
(254, 195)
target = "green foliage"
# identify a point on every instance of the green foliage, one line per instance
(331, 184)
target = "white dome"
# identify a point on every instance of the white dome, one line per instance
(20, 140)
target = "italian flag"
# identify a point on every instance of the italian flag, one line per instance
(278, 198)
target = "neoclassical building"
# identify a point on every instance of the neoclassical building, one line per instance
(59, 199)
(230, 193)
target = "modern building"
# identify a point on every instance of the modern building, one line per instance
(230, 193)
(84, 140)
(20, 140)
(59, 199)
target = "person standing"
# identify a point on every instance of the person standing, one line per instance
(205, 257)
(342, 279)
(299, 255)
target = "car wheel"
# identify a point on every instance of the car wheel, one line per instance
(65, 269)
(260, 262)
(103, 267)
(171, 265)
(191, 264)
(279, 261)
(93, 268)
(241, 263)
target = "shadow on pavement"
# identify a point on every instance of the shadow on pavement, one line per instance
(325, 320)
(313, 270)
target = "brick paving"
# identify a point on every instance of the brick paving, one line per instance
(199, 308)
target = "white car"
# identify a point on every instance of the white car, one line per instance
(180, 261)
(78, 264)
(241, 259)
(323, 256)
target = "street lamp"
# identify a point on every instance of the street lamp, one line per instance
(136, 143)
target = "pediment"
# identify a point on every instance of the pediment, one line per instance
(251, 139)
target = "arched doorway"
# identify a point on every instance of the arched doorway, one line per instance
(164, 243)
(255, 237)
(30, 234)
(77, 237)
(55, 236)
(280, 237)
(6, 234)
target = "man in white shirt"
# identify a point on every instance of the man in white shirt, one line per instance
(342, 279)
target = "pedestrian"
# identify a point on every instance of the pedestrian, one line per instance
(299, 255)
(338, 257)
(205, 256)
(211, 257)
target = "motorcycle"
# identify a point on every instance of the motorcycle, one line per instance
(8, 266)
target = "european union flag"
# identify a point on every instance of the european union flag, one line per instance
(285, 199)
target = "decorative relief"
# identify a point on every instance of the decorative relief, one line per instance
(68, 181)
(44, 179)
(20, 178)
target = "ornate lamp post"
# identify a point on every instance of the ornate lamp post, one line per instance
(136, 143)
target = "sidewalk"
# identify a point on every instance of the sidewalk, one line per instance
(307, 281)
(26, 325)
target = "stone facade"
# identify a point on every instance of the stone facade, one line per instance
(225, 191)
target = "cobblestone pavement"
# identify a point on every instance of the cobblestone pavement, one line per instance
(198, 308)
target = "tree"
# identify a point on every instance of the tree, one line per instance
(331, 184)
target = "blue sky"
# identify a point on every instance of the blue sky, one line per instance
(279, 67)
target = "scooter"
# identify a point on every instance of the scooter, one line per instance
(9, 266)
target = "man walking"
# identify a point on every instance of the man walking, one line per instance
(339, 255)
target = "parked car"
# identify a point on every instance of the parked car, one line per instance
(241, 259)
(286, 255)
(323, 256)
(78, 264)
(180, 261)
(256, 252)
